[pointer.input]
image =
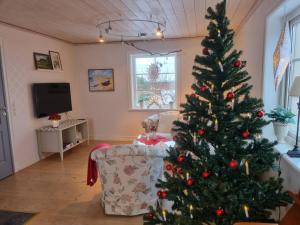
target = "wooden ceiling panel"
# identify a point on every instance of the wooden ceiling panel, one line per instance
(75, 21)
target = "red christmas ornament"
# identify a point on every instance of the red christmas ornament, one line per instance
(220, 212)
(169, 167)
(205, 174)
(237, 63)
(180, 170)
(164, 194)
(203, 88)
(190, 182)
(159, 194)
(205, 51)
(201, 132)
(174, 138)
(193, 95)
(150, 215)
(230, 95)
(180, 158)
(245, 134)
(260, 114)
(233, 164)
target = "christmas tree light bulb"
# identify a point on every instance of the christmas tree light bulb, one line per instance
(216, 124)
(191, 211)
(164, 215)
(246, 209)
(187, 176)
(209, 108)
(247, 167)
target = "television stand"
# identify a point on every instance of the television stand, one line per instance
(68, 135)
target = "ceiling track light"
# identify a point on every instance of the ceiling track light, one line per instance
(158, 32)
(101, 38)
(106, 29)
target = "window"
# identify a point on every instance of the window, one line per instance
(153, 82)
(294, 69)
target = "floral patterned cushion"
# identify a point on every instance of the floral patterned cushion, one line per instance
(128, 176)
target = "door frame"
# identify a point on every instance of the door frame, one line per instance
(7, 102)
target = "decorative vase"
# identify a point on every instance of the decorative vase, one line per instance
(281, 131)
(55, 123)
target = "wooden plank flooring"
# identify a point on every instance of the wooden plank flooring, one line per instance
(57, 191)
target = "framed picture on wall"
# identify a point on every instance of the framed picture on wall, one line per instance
(42, 61)
(55, 59)
(101, 80)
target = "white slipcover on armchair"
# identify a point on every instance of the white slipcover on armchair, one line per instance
(128, 175)
(161, 122)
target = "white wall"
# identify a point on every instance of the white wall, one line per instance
(109, 112)
(18, 47)
(250, 39)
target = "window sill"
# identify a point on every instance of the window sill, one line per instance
(283, 149)
(152, 110)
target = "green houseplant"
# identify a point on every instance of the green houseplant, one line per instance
(142, 99)
(281, 119)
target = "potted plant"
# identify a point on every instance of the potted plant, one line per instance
(142, 99)
(55, 118)
(281, 119)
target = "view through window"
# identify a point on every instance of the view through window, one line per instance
(153, 82)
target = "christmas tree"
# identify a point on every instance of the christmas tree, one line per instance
(215, 171)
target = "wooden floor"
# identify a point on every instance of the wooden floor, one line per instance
(57, 191)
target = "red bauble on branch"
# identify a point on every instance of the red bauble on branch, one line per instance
(205, 51)
(201, 132)
(220, 212)
(174, 138)
(180, 158)
(260, 114)
(164, 194)
(237, 63)
(150, 215)
(169, 167)
(245, 134)
(233, 164)
(205, 174)
(230, 95)
(190, 182)
(193, 95)
(203, 88)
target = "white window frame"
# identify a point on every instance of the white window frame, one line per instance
(286, 82)
(133, 81)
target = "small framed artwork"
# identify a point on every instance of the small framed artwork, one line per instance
(42, 61)
(55, 59)
(101, 80)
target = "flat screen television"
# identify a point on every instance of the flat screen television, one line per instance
(51, 98)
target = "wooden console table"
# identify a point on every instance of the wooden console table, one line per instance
(69, 134)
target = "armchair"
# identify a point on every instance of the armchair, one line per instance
(128, 175)
(161, 122)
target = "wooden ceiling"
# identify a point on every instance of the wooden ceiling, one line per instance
(75, 21)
